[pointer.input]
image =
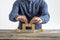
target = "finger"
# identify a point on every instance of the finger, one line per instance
(25, 21)
(31, 22)
(38, 21)
(22, 20)
(35, 21)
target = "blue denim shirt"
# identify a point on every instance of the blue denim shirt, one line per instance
(30, 8)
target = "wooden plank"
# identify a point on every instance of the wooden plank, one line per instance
(45, 35)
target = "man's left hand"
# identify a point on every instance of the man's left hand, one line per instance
(36, 20)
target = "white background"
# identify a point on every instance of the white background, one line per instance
(53, 8)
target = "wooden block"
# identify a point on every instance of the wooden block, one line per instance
(39, 30)
(28, 25)
(33, 28)
(17, 30)
(23, 27)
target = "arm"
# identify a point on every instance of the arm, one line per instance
(45, 15)
(14, 13)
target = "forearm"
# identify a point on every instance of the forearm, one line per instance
(44, 12)
(45, 18)
(14, 13)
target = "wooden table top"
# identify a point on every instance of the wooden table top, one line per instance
(45, 35)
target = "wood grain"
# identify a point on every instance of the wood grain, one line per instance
(45, 35)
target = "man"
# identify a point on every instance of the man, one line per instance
(30, 11)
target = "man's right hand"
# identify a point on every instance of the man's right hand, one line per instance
(22, 18)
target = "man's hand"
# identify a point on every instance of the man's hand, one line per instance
(22, 18)
(36, 20)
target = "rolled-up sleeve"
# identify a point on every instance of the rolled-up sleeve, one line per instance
(14, 13)
(44, 12)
